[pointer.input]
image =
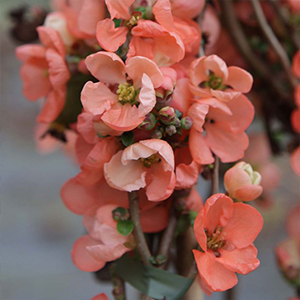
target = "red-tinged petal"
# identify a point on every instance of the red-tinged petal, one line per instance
(85, 127)
(100, 297)
(199, 149)
(164, 150)
(163, 15)
(122, 117)
(239, 79)
(228, 146)
(27, 52)
(214, 274)
(295, 161)
(244, 225)
(107, 67)
(218, 210)
(147, 98)
(151, 224)
(200, 234)
(137, 66)
(242, 261)
(129, 177)
(187, 175)
(30, 72)
(106, 253)
(160, 183)
(198, 113)
(194, 201)
(53, 106)
(90, 13)
(97, 98)
(247, 192)
(109, 37)
(77, 198)
(82, 258)
(295, 120)
(58, 71)
(119, 9)
(50, 38)
(82, 149)
(187, 9)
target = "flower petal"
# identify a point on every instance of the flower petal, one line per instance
(119, 9)
(239, 79)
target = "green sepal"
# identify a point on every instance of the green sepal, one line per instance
(125, 227)
(127, 138)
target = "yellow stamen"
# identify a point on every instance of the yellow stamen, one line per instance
(149, 161)
(127, 93)
(133, 20)
(216, 240)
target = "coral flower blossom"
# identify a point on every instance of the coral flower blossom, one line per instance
(147, 164)
(132, 96)
(210, 76)
(242, 183)
(225, 232)
(101, 296)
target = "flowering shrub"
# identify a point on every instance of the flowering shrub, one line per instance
(150, 112)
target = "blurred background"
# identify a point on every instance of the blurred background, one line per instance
(37, 231)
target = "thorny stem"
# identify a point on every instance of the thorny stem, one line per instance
(138, 232)
(273, 41)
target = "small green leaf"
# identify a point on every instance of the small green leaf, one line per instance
(117, 22)
(125, 227)
(192, 217)
(127, 138)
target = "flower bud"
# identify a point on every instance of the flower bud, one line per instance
(167, 115)
(170, 130)
(186, 123)
(242, 183)
(149, 122)
(157, 134)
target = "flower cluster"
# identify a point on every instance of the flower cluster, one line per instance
(148, 114)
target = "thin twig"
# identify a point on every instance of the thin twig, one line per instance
(230, 294)
(273, 41)
(215, 176)
(138, 232)
(239, 37)
(119, 292)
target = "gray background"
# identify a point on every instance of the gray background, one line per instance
(37, 231)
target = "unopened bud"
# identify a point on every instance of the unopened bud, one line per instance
(186, 123)
(157, 134)
(170, 130)
(177, 123)
(167, 115)
(120, 214)
(149, 122)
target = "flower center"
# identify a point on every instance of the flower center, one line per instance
(216, 240)
(151, 160)
(214, 82)
(127, 93)
(134, 19)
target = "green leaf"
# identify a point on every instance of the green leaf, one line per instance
(156, 283)
(127, 138)
(125, 227)
(183, 224)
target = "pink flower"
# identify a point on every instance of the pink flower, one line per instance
(210, 76)
(147, 164)
(225, 232)
(295, 161)
(296, 64)
(101, 296)
(242, 183)
(187, 9)
(132, 96)
(157, 41)
(219, 128)
(45, 73)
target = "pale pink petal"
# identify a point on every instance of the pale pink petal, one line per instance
(187, 9)
(244, 225)
(160, 183)
(186, 175)
(109, 37)
(129, 177)
(50, 38)
(82, 258)
(239, 79)
(106, 253)
(119, 9)
(97, 98)
(107, 67)
(242, 261)
(137, 66)
(235, 178)
(198, 113)
(137, 151)
(104, 215)
(53, 106)
(147, 97)
(199, 231)
(214, 274)
(227, 145)
(199, 149)
(217, 65)
(248, 192)
(26, 52)
(227, 96)
(198, 72)
(163, 15)
(122, 117)
(82, 149)
(194, 201)
(86, 127)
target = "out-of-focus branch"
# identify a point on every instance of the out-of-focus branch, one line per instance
(230, 294)
(215, 176)
(273, 41)
(118, 284)
(138, 232)
(239, 37)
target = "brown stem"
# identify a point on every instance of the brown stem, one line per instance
(119, 292)
(239, 37)
(273, 41)
(215, 176)
(138, 232)
(230, 294)
(168, 235)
